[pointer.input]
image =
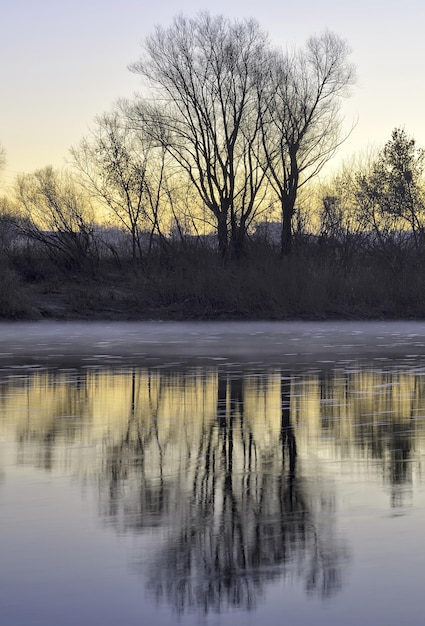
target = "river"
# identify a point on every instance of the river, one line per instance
(214, 473)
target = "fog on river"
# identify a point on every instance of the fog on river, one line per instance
(278, 342)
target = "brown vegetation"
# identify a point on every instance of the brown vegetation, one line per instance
(193, 282)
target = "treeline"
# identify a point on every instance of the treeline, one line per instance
(226, 131)
(198, 197)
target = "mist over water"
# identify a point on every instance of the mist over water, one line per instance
(262, 342)
(212, 472)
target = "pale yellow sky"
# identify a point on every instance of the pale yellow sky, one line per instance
(63, 63)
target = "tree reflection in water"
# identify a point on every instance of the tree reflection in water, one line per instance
(237, 510)
(212, 464)
(381, 409)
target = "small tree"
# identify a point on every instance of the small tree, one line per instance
(391, 194)
(338, 215)
(57, 214)
(127, 175)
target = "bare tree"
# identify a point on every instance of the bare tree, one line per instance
(209, 79)
(57, 213)
(126, 173)
(304, 126)
(341, 228)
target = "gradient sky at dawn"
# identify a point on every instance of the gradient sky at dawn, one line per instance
(63, 62)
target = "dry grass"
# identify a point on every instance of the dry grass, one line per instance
(194, 283)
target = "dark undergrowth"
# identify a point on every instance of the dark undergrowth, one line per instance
(187, 282)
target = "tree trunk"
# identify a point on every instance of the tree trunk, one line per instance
(286, 235)
(238, 240)
(288, 203)
(222, 233)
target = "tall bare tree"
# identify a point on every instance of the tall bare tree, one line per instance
(304, 125)
(208, 76)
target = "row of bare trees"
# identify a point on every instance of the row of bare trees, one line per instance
(374, 205)
(247, 124)
(227, 131)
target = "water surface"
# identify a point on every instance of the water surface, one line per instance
(212, 473)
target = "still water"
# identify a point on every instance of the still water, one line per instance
(212, 473)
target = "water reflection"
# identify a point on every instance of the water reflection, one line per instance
(381, 415)
(216, 465)
(246, 516)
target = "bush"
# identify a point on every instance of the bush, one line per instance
(14, 303)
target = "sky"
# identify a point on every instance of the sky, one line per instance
(63, 62)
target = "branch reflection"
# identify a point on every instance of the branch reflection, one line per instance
(237, 509)
(214, 465)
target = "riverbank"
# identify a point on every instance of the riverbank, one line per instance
(205, 288)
